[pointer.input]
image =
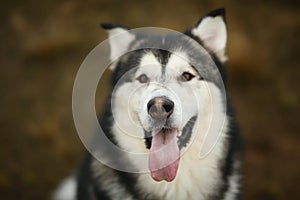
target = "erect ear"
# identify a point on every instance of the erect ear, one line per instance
(211, 30)
(118, 45)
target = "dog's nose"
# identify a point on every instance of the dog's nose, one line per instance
(160, 107)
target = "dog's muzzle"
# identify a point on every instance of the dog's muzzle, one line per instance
(164, 152)
(160, 108)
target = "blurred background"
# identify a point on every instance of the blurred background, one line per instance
(44, 42)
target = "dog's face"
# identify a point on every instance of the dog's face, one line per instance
(159, 95)
(166, 97)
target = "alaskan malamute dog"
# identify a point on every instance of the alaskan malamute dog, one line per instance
(162, 95)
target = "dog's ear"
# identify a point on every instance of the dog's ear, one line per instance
(118, 45)
(212, 32)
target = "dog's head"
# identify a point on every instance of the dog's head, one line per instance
(159, 94)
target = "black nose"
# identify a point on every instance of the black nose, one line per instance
(160, 107)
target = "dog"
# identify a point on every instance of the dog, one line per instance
(159, 106)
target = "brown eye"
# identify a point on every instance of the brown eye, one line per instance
(143, 78)
(187, 76)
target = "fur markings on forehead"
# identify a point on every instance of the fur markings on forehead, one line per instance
(178, 61)
(149, 64)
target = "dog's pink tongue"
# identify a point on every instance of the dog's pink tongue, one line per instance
(164, 156)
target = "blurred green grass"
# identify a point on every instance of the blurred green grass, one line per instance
(44, 43)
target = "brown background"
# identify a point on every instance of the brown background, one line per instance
(44, 42)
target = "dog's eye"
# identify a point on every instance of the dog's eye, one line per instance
(186, 76)
(143, 78)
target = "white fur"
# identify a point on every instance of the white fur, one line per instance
(212, 31)
(119, 40)
(150, 66)
(66, 190)
(178, 61)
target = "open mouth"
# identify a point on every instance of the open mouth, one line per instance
(165, 145)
